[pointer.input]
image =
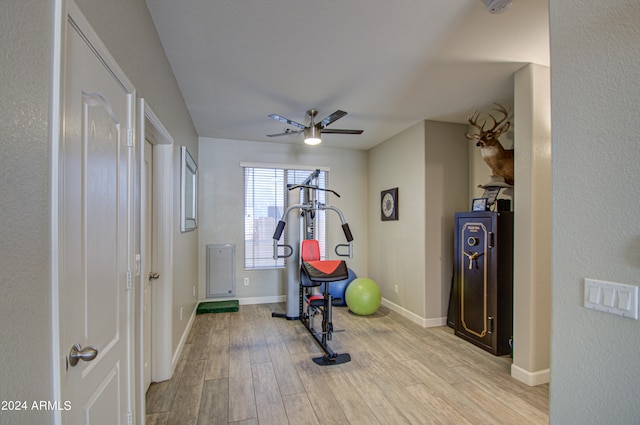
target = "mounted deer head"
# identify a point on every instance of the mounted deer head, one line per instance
(497, 158)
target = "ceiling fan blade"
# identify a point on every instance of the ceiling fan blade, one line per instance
(331, 118)
(339, 131)
(286, 133)
(286, 121)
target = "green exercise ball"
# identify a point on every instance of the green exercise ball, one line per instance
(363, 296)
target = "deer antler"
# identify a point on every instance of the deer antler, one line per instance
(473, 120)
(496, 123)
(499, 126)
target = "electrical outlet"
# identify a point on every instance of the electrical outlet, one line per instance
(194, 291)
(246, 281)
(396, 288)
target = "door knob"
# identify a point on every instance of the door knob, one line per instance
(153, 275)
(78, 353)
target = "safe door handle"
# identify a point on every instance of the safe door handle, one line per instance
(78, 353)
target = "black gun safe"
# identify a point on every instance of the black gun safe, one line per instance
(483, 279)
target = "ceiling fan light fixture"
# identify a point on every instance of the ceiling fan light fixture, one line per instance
(312, 135)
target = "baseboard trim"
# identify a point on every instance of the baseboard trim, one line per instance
(183, 341)
(250, 300)
(263, 300)
(530, 378)
(425, 323)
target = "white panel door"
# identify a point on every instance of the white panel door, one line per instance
(95, 235)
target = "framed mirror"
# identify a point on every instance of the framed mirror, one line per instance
(189, 192)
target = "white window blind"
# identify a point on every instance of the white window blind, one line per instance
(265, 200)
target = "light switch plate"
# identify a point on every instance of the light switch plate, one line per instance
(615, 298)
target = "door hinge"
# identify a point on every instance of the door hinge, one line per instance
(129, 284)
(129, 137)
(129, 418)
(492, 241)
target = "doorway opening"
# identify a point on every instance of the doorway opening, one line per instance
(155, 291)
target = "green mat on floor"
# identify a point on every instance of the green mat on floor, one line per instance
(228, 306)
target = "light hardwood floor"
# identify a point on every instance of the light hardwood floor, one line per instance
(250, 368)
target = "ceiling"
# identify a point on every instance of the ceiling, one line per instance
(388, 63)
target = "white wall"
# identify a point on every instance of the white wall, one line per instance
(595, 64)
(222, 203)
(25, 278)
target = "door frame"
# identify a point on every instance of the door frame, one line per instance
(63, 11)
(151, 129)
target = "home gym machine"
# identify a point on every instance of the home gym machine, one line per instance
(305, 272)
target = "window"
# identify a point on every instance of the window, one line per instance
(265, 200)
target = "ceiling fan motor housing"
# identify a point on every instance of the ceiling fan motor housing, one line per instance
(497, 6)
(311, 113)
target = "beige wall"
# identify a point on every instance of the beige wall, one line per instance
(222, 202)
(397, 248)
(446, 177)
(532, 227)
(429, 164)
